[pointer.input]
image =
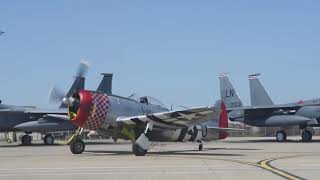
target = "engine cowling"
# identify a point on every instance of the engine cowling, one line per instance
(88, 109)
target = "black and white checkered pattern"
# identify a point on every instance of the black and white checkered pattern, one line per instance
(98, 111)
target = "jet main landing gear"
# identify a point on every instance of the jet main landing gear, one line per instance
(26, 140)
(281, 136)
(306, 136)
(48, 139)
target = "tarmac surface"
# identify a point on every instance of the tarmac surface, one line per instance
(234, 158)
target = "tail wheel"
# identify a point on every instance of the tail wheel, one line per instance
(137, 150)
(77, 146)
(306, 136)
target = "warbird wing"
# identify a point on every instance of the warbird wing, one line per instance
(174, 119)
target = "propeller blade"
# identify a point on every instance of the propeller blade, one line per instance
(82, 68)
(56, 95)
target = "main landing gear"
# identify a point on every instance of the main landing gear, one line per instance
(142, 144)
(138, 151)
(77, 146)
(48, 139)
(281, 136)
(306, 135)
(200, 145)
(26, 140)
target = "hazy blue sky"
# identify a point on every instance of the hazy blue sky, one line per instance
(173, 50)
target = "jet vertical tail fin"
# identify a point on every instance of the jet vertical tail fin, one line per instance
(259, 95)
(106, 84)
(228, 94)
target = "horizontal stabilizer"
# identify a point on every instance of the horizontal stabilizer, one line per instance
(217, 129)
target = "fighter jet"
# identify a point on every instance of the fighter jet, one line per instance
(142, 120)
(32, 119)
(263, 113)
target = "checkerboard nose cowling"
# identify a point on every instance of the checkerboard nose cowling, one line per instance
(92, 110)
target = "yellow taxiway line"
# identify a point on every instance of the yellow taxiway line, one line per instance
(265, 164)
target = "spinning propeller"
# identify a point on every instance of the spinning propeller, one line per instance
(56, 95)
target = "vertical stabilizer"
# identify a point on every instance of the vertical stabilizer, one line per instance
(106, 83)
(259, 96)
(228, 94)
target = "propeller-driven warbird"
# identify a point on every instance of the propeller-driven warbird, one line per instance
(142, 120)
(32, 119)
(263, 112)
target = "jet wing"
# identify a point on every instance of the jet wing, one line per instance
(174, 119)
(57, 117)
(33, 112)
(267, 110)
(48, 123)
(46, 111)
(275, 107)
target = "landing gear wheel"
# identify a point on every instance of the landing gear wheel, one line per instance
(200, 147)
(281, 136)
(306, 136)
(26, 140)
(137, 150)
(48, 139)
(77, 146)
(115, 140)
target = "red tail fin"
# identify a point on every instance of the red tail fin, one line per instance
(223, 122)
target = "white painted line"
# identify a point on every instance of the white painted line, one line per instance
(310, 165)
(124, 173)
(109, 167)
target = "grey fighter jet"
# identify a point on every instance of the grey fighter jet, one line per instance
(143, 120)
(32, 119)
(263, 113)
